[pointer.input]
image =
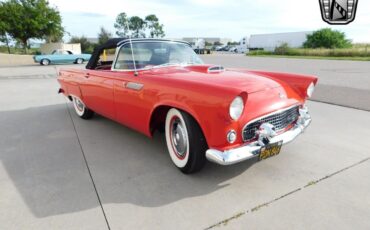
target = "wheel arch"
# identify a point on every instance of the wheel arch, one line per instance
(74, 90)
(83, 59)
(159, 112)
(45, 58)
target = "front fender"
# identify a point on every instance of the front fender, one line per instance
(177, 105)
(297, 82)
(212, 119)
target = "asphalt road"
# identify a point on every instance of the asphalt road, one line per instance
(61, 172)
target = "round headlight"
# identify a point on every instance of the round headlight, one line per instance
(310, 89)
(236, 108)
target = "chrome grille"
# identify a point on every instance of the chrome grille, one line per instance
(280, 120)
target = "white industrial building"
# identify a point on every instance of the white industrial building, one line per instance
(269, 42)
(47, 48)
(211, 40)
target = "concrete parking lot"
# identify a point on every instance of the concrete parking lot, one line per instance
(61, 172)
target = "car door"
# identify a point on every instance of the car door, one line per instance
(67, 56)
(132, 100)
(57, 56)
(97, 92)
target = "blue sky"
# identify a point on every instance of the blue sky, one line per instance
(210, 18)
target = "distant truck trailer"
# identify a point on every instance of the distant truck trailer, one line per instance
(200, 46)
(269, 42)
(243, 46)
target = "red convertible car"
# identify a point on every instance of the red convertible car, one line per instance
(206, 111)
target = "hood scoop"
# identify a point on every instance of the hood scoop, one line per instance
(216, 69)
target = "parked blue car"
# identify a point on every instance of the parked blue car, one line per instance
(61, 56)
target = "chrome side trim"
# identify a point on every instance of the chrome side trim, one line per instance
(134, 86)
(252, 150)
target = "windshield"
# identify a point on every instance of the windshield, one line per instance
(155, 54)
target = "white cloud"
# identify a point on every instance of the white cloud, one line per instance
(209, 3)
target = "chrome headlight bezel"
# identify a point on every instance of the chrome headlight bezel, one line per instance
(236, 108)
(310, 90)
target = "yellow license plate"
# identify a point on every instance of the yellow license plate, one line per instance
(270, 150)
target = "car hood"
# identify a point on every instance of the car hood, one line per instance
(241, 81)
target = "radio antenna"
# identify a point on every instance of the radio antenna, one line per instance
(132, 50)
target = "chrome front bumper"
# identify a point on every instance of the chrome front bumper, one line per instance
(246, 152)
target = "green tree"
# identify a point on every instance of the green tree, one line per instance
(121, 25)
(282, 49)
(233, 43)
(86, 46)
(4, 39)
(327, 38)
(27, 19)
(154, 27)
(217, 43)
(3, 29)
(137, 26)
(104, 35)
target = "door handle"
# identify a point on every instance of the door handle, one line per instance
(134, 86)
(87, 75)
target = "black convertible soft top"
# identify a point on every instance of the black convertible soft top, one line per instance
(112, 44)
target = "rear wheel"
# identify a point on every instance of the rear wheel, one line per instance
(44, 62)
(185, 141)
(80, 108)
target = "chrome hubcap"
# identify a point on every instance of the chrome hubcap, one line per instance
(179, 138)
(79, 104)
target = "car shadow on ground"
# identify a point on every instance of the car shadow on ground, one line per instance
(42, 157)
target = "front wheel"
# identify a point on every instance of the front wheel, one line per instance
(185, 141)
(45, 62)
(81, 110)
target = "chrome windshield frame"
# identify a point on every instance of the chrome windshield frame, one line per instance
(121, 44)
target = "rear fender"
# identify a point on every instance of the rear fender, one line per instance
(68, 85)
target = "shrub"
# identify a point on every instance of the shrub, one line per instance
(327, 38)
(260, 52)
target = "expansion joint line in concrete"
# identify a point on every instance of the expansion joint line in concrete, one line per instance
(88, 168)
(256, 208)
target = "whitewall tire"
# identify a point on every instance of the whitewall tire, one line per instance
(185, 141)
(80, 108)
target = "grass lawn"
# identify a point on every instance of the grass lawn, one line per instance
(312, 57)
(358, 52)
